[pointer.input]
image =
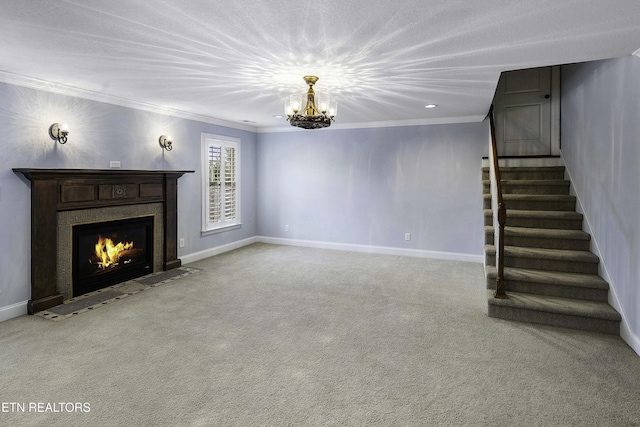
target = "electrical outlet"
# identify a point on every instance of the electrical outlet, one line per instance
(181, 244)
(407, 236)
(114, 164)
(286, 228)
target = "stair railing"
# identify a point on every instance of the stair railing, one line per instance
(502, 212)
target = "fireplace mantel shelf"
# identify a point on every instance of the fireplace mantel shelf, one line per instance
(56, 190)
(32, 173)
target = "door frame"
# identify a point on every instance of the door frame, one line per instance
(555, 110)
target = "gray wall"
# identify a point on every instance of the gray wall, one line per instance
(371, 186)
(601, 148)
(99, 133)
(364, 187)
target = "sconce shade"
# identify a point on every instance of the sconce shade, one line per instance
(165, 142)
(59, 132)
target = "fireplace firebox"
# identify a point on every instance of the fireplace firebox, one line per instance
(106, 253)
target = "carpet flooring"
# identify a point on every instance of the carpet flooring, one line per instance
(271, 335)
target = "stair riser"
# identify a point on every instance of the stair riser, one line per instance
(535, 205)
(489, 238)
(555, 319)
(550, 223)
(534, 242)
(589, 294)
(528, 175)
(546, 264)
(535, 189)
(516, 188)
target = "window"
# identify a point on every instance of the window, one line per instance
(221, 182)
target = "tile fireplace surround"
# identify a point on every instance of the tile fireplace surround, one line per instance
(60, 194)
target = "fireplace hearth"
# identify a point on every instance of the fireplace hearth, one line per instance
(62, 199)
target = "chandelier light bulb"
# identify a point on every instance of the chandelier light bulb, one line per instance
(333, 108)
(292, 104)
(324, 100)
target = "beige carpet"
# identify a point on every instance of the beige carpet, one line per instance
(275, 336)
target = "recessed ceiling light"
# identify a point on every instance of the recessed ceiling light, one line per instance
(431, 106)
(278, 116)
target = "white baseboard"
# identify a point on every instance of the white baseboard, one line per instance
(197, 256)
(629, 336)
(14, 310)
(451, 256)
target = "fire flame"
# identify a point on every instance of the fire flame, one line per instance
(109, 253)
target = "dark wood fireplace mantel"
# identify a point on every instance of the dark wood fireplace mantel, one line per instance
(55, 190)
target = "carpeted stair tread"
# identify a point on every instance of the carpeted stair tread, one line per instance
(534, 197)
(543, 233)
(548, 172)
(556, 220)
(567, 220)
(543, 202)
(529, 182)
(541, 238)
(591, 281)
(543, 214)
(565, 306)
(526, 168)
(538, 214)
(579, 285)
(548, 254)
(526, 186)
(550, 182)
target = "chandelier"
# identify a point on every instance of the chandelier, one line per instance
(314, 115)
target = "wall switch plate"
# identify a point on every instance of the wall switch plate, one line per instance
(407, 236)
(114, 164)
(181, 242)
(286, 228)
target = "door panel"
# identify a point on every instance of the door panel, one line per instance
(523, 112)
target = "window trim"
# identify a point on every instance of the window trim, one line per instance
(225, 142)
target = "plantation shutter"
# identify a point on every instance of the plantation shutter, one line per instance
(222, 187)
(215, 183)
(230, 184)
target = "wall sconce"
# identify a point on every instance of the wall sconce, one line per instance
(59, 132)
(165, 142)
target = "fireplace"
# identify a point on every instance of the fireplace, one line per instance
(63, 201)
(106, 253)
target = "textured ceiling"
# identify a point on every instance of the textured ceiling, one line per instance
(235, 60)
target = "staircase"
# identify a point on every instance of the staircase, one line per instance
(551, 276)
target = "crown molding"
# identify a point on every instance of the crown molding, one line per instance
(68, 90)
(382, 124)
